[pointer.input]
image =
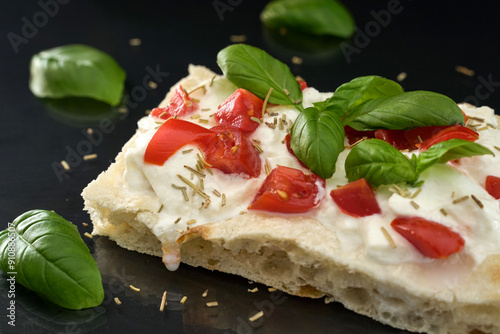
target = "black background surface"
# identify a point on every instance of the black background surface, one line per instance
(425, 39)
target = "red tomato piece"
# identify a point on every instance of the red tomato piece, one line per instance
(492, 186)
(229, 150)
(451, 132)
(356, 199)
(302, 83)
(465, 117)
(289, 190)
(239, 109)
(418, 135)
(431, 239)
(354, 135)
(170, 137)
(180, 105)
(394, 137)
(289, 148)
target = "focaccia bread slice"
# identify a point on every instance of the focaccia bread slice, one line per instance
(302, 255)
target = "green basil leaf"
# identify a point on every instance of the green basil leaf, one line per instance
(77, 70)
(317, 139)
(318, 17)
(448, 150)
(255, 70)
(407, 111)
(45, 253)
(379, 163)
(359, 91)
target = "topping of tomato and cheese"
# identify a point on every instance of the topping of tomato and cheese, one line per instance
(208, 172)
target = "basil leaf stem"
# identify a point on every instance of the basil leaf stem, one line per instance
(255, 70)
(46, 254)
(317, 139)
(77, 70)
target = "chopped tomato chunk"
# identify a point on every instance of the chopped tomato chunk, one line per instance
(240, 110)
(289, 148)
(413, 138)
(465, 116)
(354, 135)
(356, 199)
(289, 190)
(229, 150)
(170, 137)
(180, 105)
(431, 239)
(394, 137)
(451, 132)
(225, 148)
(418, 135)
(302, 83)
(408, 139)
(492, 186)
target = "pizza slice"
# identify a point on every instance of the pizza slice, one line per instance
(212, 178)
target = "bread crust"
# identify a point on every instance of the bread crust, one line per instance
(300, 256)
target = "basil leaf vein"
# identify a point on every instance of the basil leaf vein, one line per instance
(76, 70)
(255, 70)
(317, 139)
(51, 259)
